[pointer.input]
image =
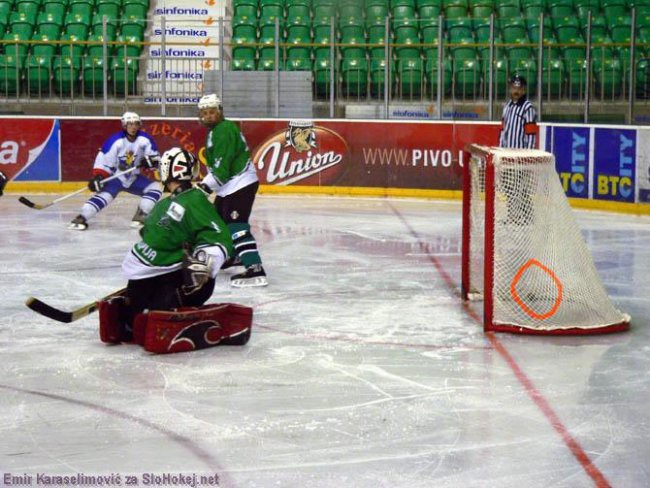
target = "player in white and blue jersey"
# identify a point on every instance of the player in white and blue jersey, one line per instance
(128, 148)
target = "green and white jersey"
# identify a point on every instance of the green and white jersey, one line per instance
(228, 159)
(183, 219)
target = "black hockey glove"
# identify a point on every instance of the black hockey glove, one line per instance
(196, 272)
(3, 182)
(150, 162)
(95, 184)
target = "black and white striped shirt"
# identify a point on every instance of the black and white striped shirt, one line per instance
(519, 125)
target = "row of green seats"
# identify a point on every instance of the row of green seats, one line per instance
(65, 75)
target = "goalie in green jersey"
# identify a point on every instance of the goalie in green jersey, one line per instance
(232, 175)
(172, 271)
(184, 243)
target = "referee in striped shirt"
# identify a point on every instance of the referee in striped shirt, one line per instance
(519, 122)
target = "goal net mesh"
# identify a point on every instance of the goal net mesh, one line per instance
(544, 278)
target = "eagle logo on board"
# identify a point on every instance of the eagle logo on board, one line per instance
(300, 135)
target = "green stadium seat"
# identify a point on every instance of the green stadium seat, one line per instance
(96, 49)
(519, 50)
(405, 30)
(429, 29)
(135, 11)
(354, 76)
(352, 33)
(49, 24)
(5, 8)
(376, 13)
(429, 12)
(506, 10)
(602, 49)
(299, 11)
(267, 27)
(431, 77)
(608, 78)
(56, 7)
(243, 54)
(132, 27)
(378, 80)
(455, 8)
(130, 46)
(108, 8)
(299, 27)
(322, 74)
(11, 73)
(22, 23)
(500, 76)
(467, 77)
(574, 49)
(598, 26)
(66, 75)
(614, 8)
(534, 27)
(403, 12)
(408, 49)
(29, 7)
(15, 44)
(82, 7)
(93, 76)
(567, 28)
(295, 3)
(429, 3)
(532, 8)
(77, 25)
(246, 10)
(560, 8)
(499, 50)
(553, 74)
(323, 11)
(73, 49)
(351, 11)
(97, 28)
(38, 74)
(124, 75)
(576, 75)
(513, 29)
(45, 48)
(463, 49)
(411, 76)
(244, 26)
(620, 28)
(459, 28)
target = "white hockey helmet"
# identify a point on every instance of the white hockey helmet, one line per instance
(210, 101)
(177, 164)
(130, 118)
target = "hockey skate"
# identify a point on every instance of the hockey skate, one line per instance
(78, 223)
(138, 219)
(253, 276)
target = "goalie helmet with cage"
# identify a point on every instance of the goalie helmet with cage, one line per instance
(130, 118)
(177, 164)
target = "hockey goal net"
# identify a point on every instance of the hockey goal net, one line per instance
(523, 253)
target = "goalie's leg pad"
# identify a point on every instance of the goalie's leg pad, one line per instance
(112, 327)
(139, 328)
(189, 329)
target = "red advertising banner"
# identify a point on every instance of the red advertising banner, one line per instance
(321, 153)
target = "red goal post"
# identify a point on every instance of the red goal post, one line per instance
(522, 251)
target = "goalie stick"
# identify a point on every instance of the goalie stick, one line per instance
(37, 206)
(66, 317)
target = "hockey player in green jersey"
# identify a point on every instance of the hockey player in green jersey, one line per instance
(231, 174)
(184, 243)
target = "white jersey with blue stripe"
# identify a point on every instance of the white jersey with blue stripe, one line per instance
(119, 154)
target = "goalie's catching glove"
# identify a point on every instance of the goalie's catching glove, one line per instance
(197, 271)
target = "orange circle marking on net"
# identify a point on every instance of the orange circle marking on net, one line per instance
(520, 302)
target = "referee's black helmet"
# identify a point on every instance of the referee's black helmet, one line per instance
(518, 80)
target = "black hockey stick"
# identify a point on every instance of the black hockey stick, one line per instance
(38, 206)
(61, 315)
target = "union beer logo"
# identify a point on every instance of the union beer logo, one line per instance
(303, 153)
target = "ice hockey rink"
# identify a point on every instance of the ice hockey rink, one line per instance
(364, 368)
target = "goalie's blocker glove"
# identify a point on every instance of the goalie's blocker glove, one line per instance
(197, 271)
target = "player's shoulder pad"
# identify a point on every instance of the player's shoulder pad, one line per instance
(112, 140)
(148, 136)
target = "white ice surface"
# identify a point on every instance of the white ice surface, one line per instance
(364, 369)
